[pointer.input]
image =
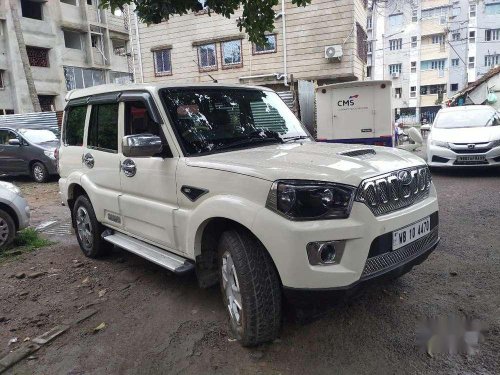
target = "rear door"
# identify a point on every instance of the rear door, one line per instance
(101, 160)
(149, 194)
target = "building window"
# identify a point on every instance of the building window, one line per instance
(491, 60)
(268, 47)
(432, 89)
(413, 91)
(454, 87)
(413, 66)
(231, 54)
(46, 102)
(395, 44)
(395, 68)
(369, 22)
(438, 39)
(397, 92)
(79, 78)
(472, 37)
(472, 62)
(492, 34)
(414, 42)
(207, 57)
(163, 63)
(368, 72)
(454, 62)
(70, 2)
(362, 38)
(472, 10)
(32, 9)
(414, 15)
(103, 127)
(433, 64)
(72, 39)
(455, 37)
(119, 47)
(6, 112)
(439, 12)
(369, 47)
(1, 80)
(492, 8)
(121, 77)
(396, 20)
(38, 56)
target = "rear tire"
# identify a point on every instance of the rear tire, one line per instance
(88, 230)
(251, 288)
(7, 229)
(39, 172)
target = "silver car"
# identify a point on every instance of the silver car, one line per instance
(14, 212)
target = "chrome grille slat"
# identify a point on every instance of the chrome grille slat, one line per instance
(392, 258)
(395, 190)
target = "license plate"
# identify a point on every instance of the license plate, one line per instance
(410, 233)
(471, 158)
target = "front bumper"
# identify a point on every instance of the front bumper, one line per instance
(22, 209)
(445, 157)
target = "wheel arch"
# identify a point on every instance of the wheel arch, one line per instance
(11, 212)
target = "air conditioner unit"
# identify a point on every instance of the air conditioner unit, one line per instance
(395, 75)
(332, 52)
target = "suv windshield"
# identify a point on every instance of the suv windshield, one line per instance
(214, 119)
(38, 135)
(467, 119)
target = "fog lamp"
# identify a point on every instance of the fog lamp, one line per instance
(325, 252)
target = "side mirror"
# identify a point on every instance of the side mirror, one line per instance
(14, 142)
(138, 145)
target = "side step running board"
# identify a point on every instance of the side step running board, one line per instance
(163, 258)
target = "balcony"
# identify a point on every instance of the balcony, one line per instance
(433, 77)
(429, 51)
(429, 100)
(432, 26)
(71, 14)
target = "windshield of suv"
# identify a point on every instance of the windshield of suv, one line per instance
(38, 135)
(467, 119)
(215, 119)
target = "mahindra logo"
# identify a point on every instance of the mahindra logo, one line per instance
(348, 102)
(394, 190)
(471, 146)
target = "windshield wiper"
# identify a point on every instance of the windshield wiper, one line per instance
(295, 138)
(248, 141)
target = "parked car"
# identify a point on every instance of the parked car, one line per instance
(225, 181)
(465, 136)
(29, 151)
(14, 212)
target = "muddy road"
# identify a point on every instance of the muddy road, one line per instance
(158, 323)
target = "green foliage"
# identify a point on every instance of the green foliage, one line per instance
(258, 15)
(25, 241)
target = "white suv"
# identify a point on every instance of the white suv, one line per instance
(224, 181)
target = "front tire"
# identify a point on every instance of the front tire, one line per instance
(88, 230)
(7, 229)
(39, 172)
(251, 288)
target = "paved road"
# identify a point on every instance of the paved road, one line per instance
(159, 323)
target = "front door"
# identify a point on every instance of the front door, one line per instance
(101, 161)
(149, 197)
(11, 156)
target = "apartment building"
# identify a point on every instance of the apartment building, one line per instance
(323, 42)
(431, 49)
(70, 44)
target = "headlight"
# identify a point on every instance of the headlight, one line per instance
(11, 187)
(440, 144)
(50, 154)
(310, 200)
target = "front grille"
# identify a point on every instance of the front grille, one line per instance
(471, 151)
(439, 159)
(471, 162)
(389, 260)
(395, 190)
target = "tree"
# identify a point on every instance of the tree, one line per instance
(258, 15)
(24, 56)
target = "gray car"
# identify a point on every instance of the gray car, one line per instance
(14, 212)
(30, 151)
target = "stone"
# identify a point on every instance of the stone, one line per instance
(34, 275)
(22, 294)
(20, 275)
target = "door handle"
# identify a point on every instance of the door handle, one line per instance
(88, 160)
(129, 168)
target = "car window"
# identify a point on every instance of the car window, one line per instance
(5, 136)
(137, 120)
(103, 127)
(75, 125)
(475, 118)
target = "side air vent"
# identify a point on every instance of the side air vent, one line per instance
(366, 152)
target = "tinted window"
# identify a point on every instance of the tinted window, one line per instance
(103, 127)
(5, 135)
(137, 120)
(75, 124)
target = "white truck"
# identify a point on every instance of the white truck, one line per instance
(355, 112)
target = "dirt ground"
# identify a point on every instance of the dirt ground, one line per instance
(158, 323)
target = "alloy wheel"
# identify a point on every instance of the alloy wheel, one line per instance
(231, 288)
(4, 231)
(38, 172)
(84, 226)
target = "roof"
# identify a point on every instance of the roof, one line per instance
(354, 84)
(103, 89)
(478, 107)
(471, 86)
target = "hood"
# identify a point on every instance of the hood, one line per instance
(309, 161)
(466, 135)
(49, 146)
